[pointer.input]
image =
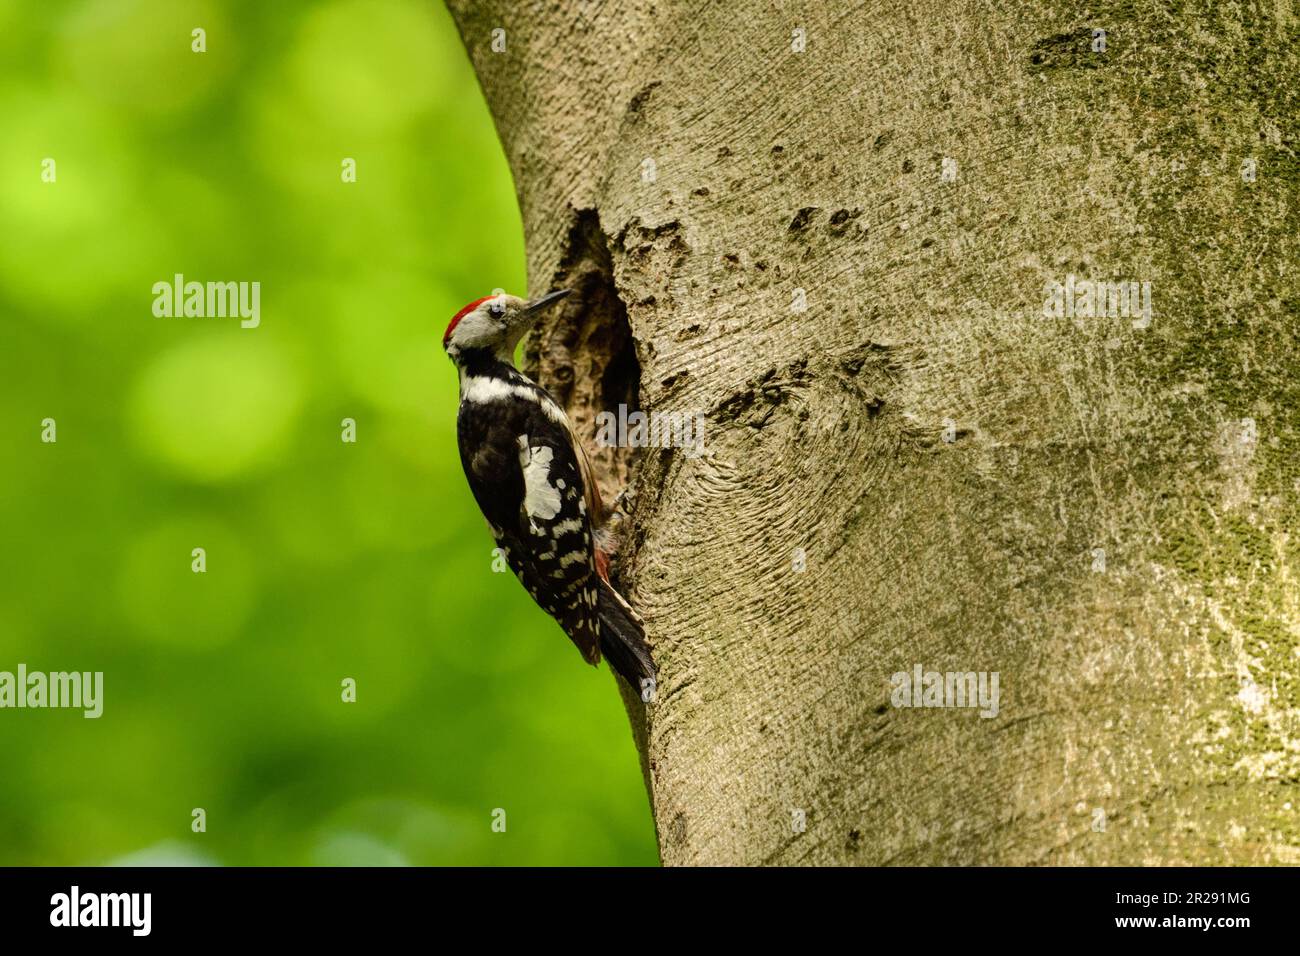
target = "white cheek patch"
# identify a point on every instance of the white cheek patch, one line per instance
(475, 330)
(541, 499)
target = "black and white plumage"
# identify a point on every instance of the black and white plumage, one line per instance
(531, 479)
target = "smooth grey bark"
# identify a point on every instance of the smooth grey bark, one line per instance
(1102, 510)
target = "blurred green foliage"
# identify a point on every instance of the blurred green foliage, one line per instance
(325, 560)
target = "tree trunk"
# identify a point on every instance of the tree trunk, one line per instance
(860, 240)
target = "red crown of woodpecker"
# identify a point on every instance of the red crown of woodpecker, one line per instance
(455, 319)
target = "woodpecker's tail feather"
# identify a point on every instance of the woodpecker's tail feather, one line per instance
(622, 639)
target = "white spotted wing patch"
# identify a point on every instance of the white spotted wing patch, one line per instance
(541, 497)
(531, 485)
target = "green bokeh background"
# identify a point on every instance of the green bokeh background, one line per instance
(325, 560)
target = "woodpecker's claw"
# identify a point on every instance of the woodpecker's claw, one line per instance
(616, 506)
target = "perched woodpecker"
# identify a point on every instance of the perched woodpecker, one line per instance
(533, 483)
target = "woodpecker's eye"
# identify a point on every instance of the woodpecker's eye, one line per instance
(497, 310)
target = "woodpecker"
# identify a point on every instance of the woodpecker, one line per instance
(532, 481)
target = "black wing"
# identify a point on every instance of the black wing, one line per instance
(529, 485)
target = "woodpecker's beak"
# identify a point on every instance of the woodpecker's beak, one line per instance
(537, 305)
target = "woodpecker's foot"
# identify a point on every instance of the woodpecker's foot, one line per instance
(624, 497)
(604, 547)
(607, 538)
